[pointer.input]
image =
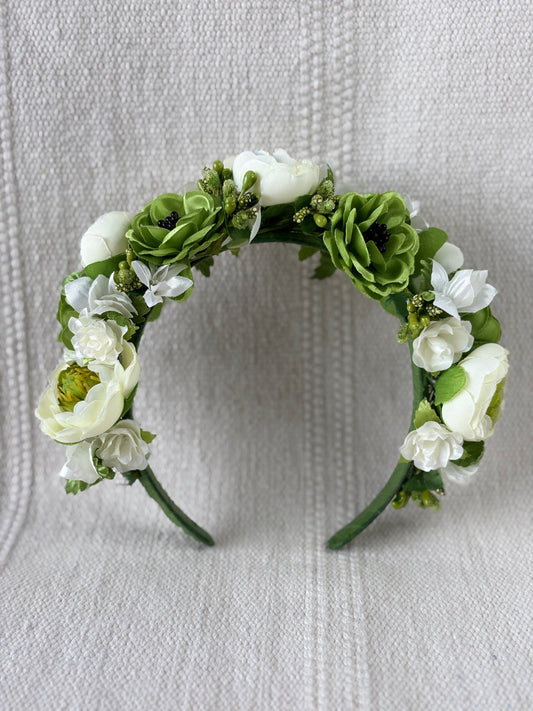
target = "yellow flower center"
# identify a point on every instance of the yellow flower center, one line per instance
(73, 384)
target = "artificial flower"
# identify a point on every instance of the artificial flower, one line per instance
(161, 281)
(466, 292)
(413, 208)
(122, 447)
(371, 240)
(173, 228)
(97, 339)
(442, 343)
(91, 297)
(80, 464)
(473, 411)
(457, 474)
(450, 257)
(85, 401)
(280, 178)
(432, 446)
(106, 237)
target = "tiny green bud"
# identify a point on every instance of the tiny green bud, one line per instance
(320, 220)
(240, 220)
(230, 205)
(412, 320)
(229, 188)
(401, 499)
(249, 180)
(430, 501)
(218, 166)
(410, 307)
(227, 174)
(425, 320)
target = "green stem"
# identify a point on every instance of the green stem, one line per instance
(174, 513)
(287, 237)
(394, 484)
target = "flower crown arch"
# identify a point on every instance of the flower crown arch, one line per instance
(132, 264)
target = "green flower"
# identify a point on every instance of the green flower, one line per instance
(173, 228)
(371, 240)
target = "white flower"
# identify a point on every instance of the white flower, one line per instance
(123, 448)
(457, 474)
(95, 297)
(450, 257)
(432, 446)
(466, 292)
(161, 281)
(441, 344)
(106, 237)
(102, 404)
(413, 208)
(80, 463)
(281, 178)
(97, 339)
(474, 410)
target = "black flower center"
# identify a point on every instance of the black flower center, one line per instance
(169, 222)
(378, 234)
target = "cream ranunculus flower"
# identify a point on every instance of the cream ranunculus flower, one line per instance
(281, 178)
(97, 338)
(105, 238)
(432, 446)
(123, 448)
(441, 344)
(85, 401)
(474, 410)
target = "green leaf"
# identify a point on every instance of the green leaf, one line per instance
(73, 486)
(140, 305)
(128, 402)
(425, 413)
(103, 471)
(326, 267)
(396, 304)
(147, 436)
(204, 265)
(431, 240)
(423, 481)
(106, 267)
(485, 327)
(122, 321)
(449, 383)
(472, 453)
(306, 252)
(302, 201)
(275, 213)
(155, 312)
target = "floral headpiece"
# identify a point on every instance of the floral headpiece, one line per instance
(133, 264)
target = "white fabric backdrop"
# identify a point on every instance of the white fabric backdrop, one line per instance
(279, 401)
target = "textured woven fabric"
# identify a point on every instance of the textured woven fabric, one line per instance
(279, 402)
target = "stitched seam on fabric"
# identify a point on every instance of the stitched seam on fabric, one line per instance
(19, 457)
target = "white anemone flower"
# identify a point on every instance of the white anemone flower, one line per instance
(466, 292)
(161, 281)
(96, 297)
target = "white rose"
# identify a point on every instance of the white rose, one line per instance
(122, 447)
(432, 446)
(466, 292)
(469, 412)
(106, 237)
(281, 178)
(441, 344)
(97, 338)
(103, 402)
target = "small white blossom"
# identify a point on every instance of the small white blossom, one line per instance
(97, 339)
(465, 292)
(450, 257)
(106, 237)
(441, 344)
(432, 446)
(123, 448)
(80, 464)
(95, 297)
(457, 474)
(161, 281)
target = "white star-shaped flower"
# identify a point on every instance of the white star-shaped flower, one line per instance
(161, 281)
(91, 297)
(466, 292)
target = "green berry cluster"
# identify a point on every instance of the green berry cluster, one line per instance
(322, 204)
(420, 312)
(425, 499)
(124, 277)
(240, 206)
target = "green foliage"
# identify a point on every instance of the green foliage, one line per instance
(431, 240)
(106, 267)
(326, 267)
(128, 402)
(422, 481)
(306, 252)
(204, 265)
(122, 321)
(155, 312)
(449, 383)
(73, 486)
(485, 327)
(396, 304)
(147, 436)
(472, 453)
(425, 413)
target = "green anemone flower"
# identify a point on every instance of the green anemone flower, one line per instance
(370, 238)
(173, 228)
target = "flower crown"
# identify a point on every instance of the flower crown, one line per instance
(133, 264)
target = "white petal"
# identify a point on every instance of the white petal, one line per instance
(450, 256)
(79, 465)
(152, 298)
(257, 223)
(143, 272)
(176, 286)
(439, 277)
(77, 292)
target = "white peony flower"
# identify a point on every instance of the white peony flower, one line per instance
(91, 297)
(122, 447)
(457, 474)
(441, 344)
(97, 339)
(105, 238)
(95, 394)
(474, 410)
(432, 446)
(80, 464)
(161, 281)
(281, 178)
(466, 292)
(450, 257)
